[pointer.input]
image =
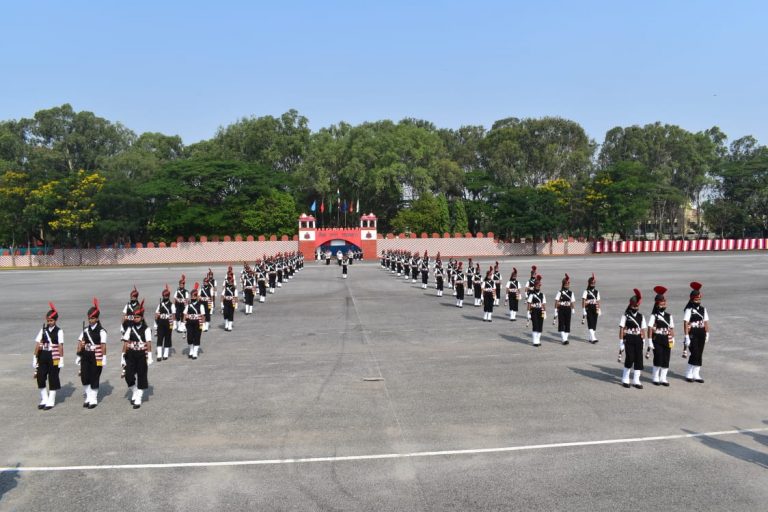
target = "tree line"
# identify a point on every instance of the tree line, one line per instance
(70, 177)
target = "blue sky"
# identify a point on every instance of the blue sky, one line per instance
(189, 67)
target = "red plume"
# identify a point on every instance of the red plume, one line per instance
(533, 268)
(660, 290)
(183, 279)
(53, 308)
(567, 277)
(140, 310)
(696, 286)
(96, 310)
(134, 292)
(197, 286)
(638, 295)
(514, 270)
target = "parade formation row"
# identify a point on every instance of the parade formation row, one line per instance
(186, 311)
(636, 334)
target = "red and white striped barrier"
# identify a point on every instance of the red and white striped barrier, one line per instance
(633, 246)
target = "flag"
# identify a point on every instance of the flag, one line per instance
(357, 210)
(351, 207)
(314, 206)
(330, 207)
(322, 206)
(344, 206)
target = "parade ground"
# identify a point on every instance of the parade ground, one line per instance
(371, 393)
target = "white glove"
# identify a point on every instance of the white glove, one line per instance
(599, 312)
(77, 360)
(61, 363)
(544, 315)
(122, 360)
(555, 314)
(706, 337)
(149, 358)
(583, 311)
(34, 361)
(529, 315)
(104, 360)
(621, 346)
(687, 341)
(573, 311)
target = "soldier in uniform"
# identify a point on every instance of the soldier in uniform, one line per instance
(537, 310)
(92, 355)
(497, 283)
(661, 337)
(180, 299)
(261, 282)
(696, 328)
(564, 302)
(249, 284)
(48, 359)
(439, 273)
(590, 308)
(344, 265)
(137, 356)
(513, 294)
(229, 302)
(489, 296)
(272, 273)
(415, 263)
(164, 315)
(459, 286)
(208, 298)
(477, 285)
(214, 289)
(424, 269)
(128, 309)
(470, 276)
(194, 316)
(632, 326)
(531, 280)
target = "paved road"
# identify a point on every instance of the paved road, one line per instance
(458, 414)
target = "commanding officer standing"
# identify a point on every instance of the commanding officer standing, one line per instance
(344, 264)
(590, 308)
(632, 326)
(696, 327)
(661, 336)
(564, 300)
(48, 358)
(513, 294)
(194, 315)
(164, 315)
(537, 310)
(92, 353)
(137, 356)
(489, 296)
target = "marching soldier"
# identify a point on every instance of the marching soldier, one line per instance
(92, 355)
(439, 272)
(261, 282)
(531, 280)
(424, 269)
(415, 263)
(137, 356)
(451, 274)
(164, 315)
(537, 310)
(213, 290)
(470, 276)
(280, 269)
(489, 296)
(696, 328)
(48, 359)
(513, 294)
(180, 299)
(497, 283)
(590, 308)
(272, 273)
(132, 304)
(632, 326)
(459, 286)
(208, 298)
(477, 285)
(661, 337)
(249, 284)
(564, 301)
(229, 302)
(194, 316)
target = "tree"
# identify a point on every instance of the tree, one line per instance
(424, 216)
(14, 190)
(273, 213)
(459, 221)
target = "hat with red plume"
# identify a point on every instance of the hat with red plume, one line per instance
(537, 280)
(183, 279)
(566, 280)
(166, 291)
(533, 270)
(139, 312)
(196, 289)
(514, 272)
(94, 311)
(592, 279)
(134, 293)
(52, 314)
(695, 289)
(636, 299)
(660, 291)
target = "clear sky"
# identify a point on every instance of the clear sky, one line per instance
(188, 67)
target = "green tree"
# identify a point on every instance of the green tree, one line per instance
(459, 221)
(273, 213)
(424, 216)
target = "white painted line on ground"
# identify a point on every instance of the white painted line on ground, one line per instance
(351, 458)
